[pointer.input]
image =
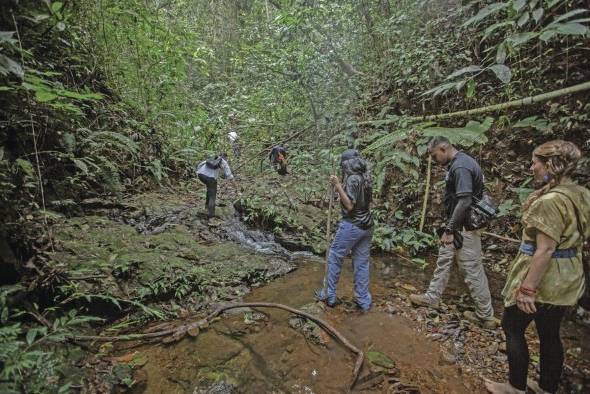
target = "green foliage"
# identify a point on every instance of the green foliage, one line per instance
(27, 352)
(534, 122)
(515, 37)
(507, 207)
(54, 95)
(389, 238)
(472, 133)
(9, 66)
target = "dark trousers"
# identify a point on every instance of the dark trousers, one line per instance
(547, 321)
(211, 184)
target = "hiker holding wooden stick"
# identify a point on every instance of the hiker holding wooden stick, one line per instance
(354, 233)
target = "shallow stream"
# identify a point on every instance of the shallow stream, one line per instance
(263, 351)
(258, 351)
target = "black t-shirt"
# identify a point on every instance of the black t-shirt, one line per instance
(464, 178)
(361, 197)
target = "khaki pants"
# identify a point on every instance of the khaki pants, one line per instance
(469, 260)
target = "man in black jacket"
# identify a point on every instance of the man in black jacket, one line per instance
(464, 183)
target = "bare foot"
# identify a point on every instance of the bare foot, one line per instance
(535, 388)
(501, 388)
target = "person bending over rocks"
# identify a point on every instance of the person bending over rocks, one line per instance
(208, 172)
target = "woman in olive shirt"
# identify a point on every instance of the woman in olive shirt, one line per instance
(547, 275)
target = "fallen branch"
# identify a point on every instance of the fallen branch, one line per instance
(180, 331)
(87, 277)
(490, 108)
(503, 238)
(401, 256)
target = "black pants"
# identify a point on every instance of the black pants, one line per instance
(547, 321)
(211, 184)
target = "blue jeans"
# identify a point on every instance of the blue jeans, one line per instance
(350, 238)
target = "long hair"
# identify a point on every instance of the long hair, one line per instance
(357, 165)
(560, 158)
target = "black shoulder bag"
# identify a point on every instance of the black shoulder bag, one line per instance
(481, 212)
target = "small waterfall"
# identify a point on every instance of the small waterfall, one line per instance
(261, 242)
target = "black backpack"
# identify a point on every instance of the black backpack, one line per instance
(213, 162)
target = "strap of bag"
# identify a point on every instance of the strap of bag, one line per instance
(577, 212)
(585, 264)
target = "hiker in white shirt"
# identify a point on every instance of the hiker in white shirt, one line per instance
(208, 172)
(232, 136)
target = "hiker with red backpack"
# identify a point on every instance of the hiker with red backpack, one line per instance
(207, 172)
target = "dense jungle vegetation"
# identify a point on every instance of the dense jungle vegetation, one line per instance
(104, 99)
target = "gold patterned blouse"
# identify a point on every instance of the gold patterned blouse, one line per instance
(554, 215)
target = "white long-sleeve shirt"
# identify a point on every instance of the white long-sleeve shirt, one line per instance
(232, 136)
(207, 171)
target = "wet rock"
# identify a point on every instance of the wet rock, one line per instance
(220, 387)
(370, 381)
(380, 359)
(390, 308)
(432, 314)
(436, 337)
(310, 330)
(232, 311)
(447, 358)
(278, 267)
(493, 348)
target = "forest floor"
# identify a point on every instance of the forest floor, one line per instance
(157, 255)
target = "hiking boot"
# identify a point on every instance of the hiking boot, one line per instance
(362, 311)
(319, 295)
(488, 324)
(423, 300)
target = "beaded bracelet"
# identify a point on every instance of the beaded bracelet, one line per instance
(528, 291)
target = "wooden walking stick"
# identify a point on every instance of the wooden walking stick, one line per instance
(328, 233)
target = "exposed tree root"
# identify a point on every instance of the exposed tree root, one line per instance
(193, 328)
